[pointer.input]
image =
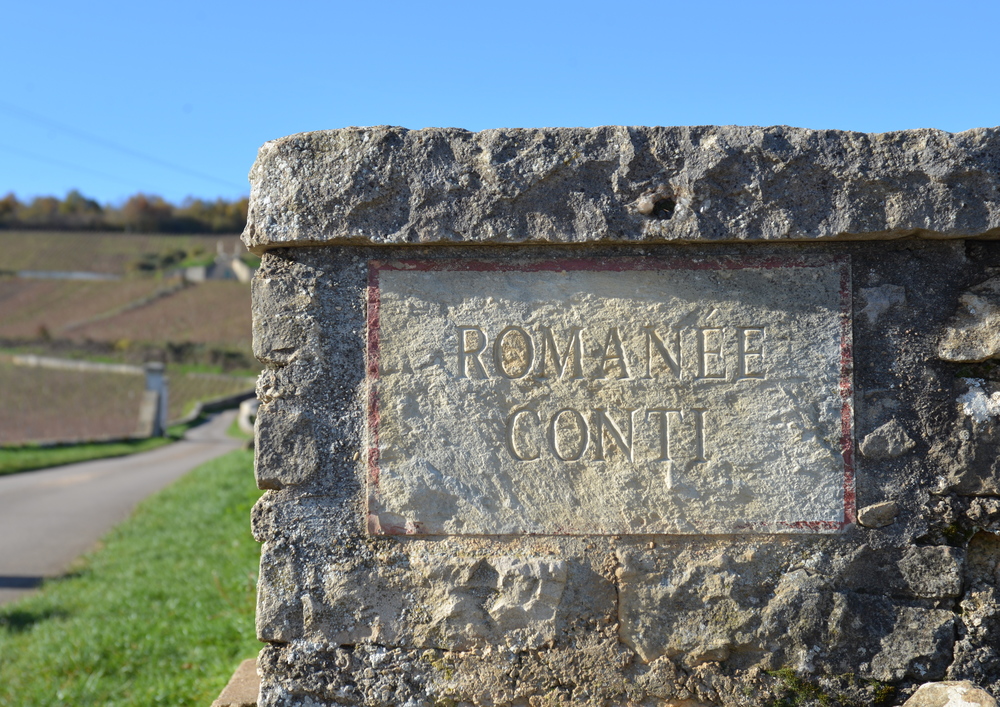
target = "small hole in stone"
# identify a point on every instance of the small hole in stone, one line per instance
(663, 209)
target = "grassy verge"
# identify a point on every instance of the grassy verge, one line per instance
(160, 615)
(31, 456)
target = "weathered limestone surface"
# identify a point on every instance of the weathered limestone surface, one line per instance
(974, 332)
(243, 687)
(545, 401)
(960, 693)
(862, 616)
(878, 515)
(388, 185)
(888, 441)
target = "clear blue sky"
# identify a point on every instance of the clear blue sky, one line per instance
(175, 98)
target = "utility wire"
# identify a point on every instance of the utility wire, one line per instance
(107, 144)
(60, 163)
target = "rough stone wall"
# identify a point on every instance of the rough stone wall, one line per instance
(906, 596)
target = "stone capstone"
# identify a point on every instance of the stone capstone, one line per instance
(388, 185)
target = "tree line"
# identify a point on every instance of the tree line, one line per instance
(140, 213)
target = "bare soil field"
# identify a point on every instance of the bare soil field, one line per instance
(96, 252)
(135, 309)
(26, 306)
(46, 404)
(214, 312)
(41, 404)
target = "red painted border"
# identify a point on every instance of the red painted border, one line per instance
(372, 369)
(622, 264)
(847, 391)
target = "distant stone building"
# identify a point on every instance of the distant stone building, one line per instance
(227, 266)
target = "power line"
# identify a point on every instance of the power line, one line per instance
(30, 117)
(60, 163)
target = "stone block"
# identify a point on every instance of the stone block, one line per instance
(973, 334)
(958, 693)
(242, 688)
(388, 185)
(887, 442)
(573, 416)
(661, 425)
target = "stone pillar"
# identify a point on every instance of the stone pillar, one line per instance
(153, 414)
(626, 416)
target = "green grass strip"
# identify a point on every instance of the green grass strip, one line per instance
(161, 614)
(32, 456)
(28, 457)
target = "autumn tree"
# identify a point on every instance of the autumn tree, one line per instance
(41, 212)
(141, 213)
(219, 216)
(146, 214)
(77, 211)
(8, 208)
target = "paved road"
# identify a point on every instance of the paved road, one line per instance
(51, 516)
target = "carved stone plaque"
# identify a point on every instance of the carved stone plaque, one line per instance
(615, 396)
